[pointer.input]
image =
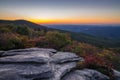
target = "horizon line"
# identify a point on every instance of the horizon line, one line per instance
(117, 24)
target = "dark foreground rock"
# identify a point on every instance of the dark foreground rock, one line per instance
(44, 64)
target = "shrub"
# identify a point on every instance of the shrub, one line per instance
(57, 40)
(97, 63)
(23, 30)
(4, 30)
(11, 41)
(42, 42)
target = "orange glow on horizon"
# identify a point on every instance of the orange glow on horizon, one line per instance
(76, 21)
(72, 20)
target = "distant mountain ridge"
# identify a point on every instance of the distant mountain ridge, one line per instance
(107, 31)
(23, 23)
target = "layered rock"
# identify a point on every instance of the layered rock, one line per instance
(44, 64)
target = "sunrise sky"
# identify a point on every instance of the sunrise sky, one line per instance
(62, 11)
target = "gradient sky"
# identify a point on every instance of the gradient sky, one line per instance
(62, 11)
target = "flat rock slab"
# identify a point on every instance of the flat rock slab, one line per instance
(45, 64)
(36, 64)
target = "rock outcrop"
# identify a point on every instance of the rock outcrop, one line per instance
(44, 64)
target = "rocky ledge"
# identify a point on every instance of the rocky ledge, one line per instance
(45, 64)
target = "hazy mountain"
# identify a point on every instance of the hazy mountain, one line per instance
(107, 31)
(23, 23)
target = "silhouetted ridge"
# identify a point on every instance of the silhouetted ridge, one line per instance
(23, 23)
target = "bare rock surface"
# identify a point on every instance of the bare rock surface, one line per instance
(44, 64)
(85, 74)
